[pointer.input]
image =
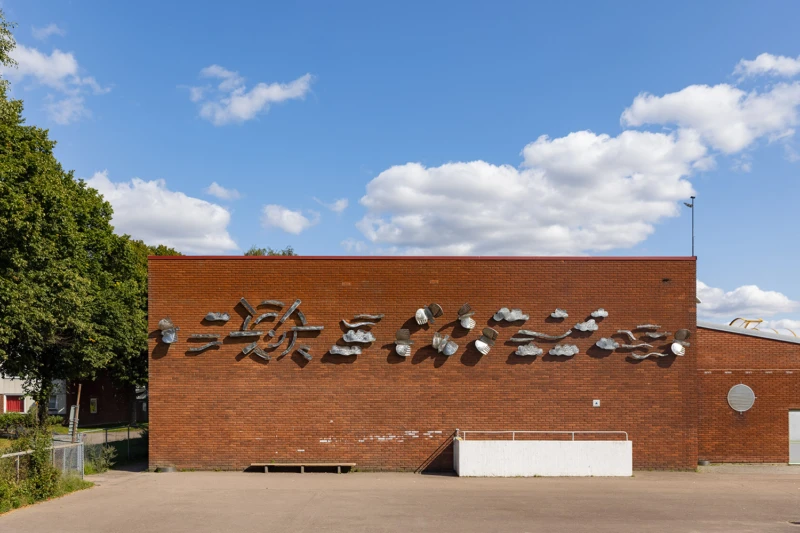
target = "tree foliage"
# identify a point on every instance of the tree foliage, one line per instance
(254, 250)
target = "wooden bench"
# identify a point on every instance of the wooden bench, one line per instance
(303, 466)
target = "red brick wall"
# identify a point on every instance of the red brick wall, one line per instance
(222, 409)
(114, 402)
(772, 369)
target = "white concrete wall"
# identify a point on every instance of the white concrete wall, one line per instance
(503, 458)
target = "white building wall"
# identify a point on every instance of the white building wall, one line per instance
(13, 387)
(486, 458)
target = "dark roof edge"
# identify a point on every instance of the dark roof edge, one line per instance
(748, 332)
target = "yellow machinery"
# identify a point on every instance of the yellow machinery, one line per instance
(755, 322)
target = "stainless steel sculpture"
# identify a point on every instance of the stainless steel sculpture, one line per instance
(307, 328)
(510, 315)
(589, 325)
(607, 344)
(627, 332)
(657, 334)
(204, 336)
(559, 313)
(678, 349)
(545, 336)
(247, 306)
(169, 332)
(645, 356)
(273, 303)
(600, 313)
(443, 344)
(648, 326)
(428, 314)
(683, 343)
(250, 347)
(358, 336)
(218, 317)
(289, 311)
(465, 314)
(301, 317)
(205, 346)
(246, 322)
(291, 344)
(264, 316)
(304, 351)
(565, 350)
(527, 350)
(635, 346)
(345, 350)
(357, 325)
(277, 343)
(368, 317)
(682, 334)
(245, 333)
(262, 354)
(403, 342)
(403, 350)
(485, 343)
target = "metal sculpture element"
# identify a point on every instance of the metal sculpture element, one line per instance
(204, 347)
(428, 314)
(607, 344)
(247, 306)
(288, 313)
(307, 328)
(357, 324)
(250, 347)
(600, 313)
(303, 350)
(559, 313)
(510, 315)
(677, 349)
(527, 350)
(204, 336)
(635, 346)
(264, 316)
(274, 303)
(627, 332)
(218, 317)
(368, 317)
(645, 356)
(246, 322)
(403, 342)
(741, 398)
(465, 314)
(277, 343)
(345, 350)
(403, 350)
(358, 336)
(683, 343)
(648, 326)
(545, 336)
(443, 344)
(565, 350)
(485, 343)
(169, 333)
(657, 334)
(682, 334)
(301, 317)
(245, 333)
(589, 325)
(291, 344)
(262, 354)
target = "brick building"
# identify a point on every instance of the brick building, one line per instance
(222, 408)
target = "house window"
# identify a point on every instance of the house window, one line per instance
(93, 405)
(52, 403)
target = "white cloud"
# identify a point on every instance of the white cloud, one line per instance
(221, 192)
(353, 245)
(781, 325)
(46, 31)
(768, 65)
(337, 206)
(727, 117)
(60, 72)
(231, 102)
(277, 216)
(573, 195)
(747, 301)
(149, 211)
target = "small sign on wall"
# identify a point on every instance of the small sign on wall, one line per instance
(93, 405)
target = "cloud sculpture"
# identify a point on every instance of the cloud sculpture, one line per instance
(527, 350)
(345, 350)
(218, 317)
(511, 315)
(566, 350)
(600, 313)
(559, 313)
(607, 344)
(589, 325)
(358, 336)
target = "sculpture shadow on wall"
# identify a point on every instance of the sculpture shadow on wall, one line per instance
(598, 353)
(299, 359)
(578, 334)
(470, 356)
(514, 359)
(161, 348)
(334, 359)
(391, 357)
(554, 320)
(412, 326)
(428, 352)
(295, 355)
(555, 358)
(456, 331)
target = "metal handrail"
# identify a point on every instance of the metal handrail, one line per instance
(459, 433)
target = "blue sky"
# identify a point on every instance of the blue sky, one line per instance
(418, 128)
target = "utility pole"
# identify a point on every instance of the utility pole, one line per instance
(77, 411)
(691, 206)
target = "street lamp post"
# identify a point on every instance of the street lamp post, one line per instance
(691, 206)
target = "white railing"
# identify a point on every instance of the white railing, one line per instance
(463, 434)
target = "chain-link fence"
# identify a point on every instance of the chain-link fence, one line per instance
(67, 458)
(129, 443)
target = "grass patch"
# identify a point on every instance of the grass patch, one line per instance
(15, 497)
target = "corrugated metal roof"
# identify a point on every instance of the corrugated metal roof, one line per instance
(748, 332)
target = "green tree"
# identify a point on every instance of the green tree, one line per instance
(254, 250)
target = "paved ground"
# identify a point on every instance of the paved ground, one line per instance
(754, 499)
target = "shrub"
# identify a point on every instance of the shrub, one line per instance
(98, 459)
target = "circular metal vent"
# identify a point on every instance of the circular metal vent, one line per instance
(741, 398)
